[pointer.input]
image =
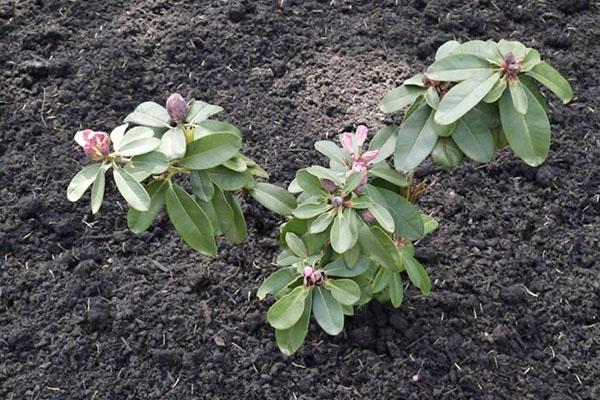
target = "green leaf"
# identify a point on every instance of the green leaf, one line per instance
(98, 191)
(138, 140)
(346, 291)
(383, 217)
(494, 94)
(229, 180)
(396, 289)
(327, 311)
(322, 222)
(116, 135)
(341, 234)
(446, 153)
(420, 101)
(235, 164)
(417, 274)
(173, 144)
(274, 198)
(464, 96)
(202, 186)
(487, 113)
(223, 211)
(446, 49)
(415, 140)
(352, 182)
(385, 142)
(191, 223)
(432, 98)
(487, 50)
(442, 130)
(474, 139)
(530, 84)
(140, 221)
(518, 49)
(400, 97)
(331, 150)
(142, 166)
(287, 310)
(382, 280)
(408, 224)
(338, 268)
(458, 67)
(277, 281)
(149, 114)
(429, 223)
(379, 246)
(529, 134)
(291, 339)
(131, 190)
(82, 181)
(210, 126)
(518, 96)
(553, 80)
(200, 111)
(383, 171)
(416, 80)
(237, 231)
(309, 183)
(323, 173)
(211, 150)
(531, 60)
(296, 245)
(310, 210)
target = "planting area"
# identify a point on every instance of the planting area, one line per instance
(88, 310)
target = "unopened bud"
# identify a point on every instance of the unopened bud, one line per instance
(96, 144)
(177, 107)
(329, 185)
(337, 201)
(367, 216)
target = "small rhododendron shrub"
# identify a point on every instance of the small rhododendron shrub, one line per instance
(176, 157)
(475, 98)
(349, 240)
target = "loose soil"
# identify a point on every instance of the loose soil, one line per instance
(89, 310)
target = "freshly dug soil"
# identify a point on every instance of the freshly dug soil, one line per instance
(89, 310)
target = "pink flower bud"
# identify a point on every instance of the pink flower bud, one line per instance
(361, 135)
(329, 185)
(370, 155)
(308, 271)
(347, 142)
(96, 144)
(367, 216)
(337, 201)
(177, 107)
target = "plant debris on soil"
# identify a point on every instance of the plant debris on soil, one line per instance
(88, 310)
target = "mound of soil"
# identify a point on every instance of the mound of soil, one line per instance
(89, 310)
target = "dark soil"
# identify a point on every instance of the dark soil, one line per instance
(88, 310)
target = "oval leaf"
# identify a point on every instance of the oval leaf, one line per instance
(274, 198)
(399, 98)
(287, 310)
(211, 150)
(82, 181)
(458, 67)
(149, 114)
(173, 143)
(131, 190)
(346, 291)
(553, 80)
(140, 221)
(327, 311)
(415, 140)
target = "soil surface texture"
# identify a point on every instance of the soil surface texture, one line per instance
(88, 310)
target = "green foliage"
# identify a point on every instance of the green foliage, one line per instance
(451, 105)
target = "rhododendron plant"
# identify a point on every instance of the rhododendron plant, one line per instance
(475, 98)
(349, 240)
(158, 146)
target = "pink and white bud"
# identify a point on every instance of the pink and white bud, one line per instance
(369, 156)
(361, 135)
(308, 271)
(177, 107)
(313, 277)
(347, 142)
(96, 145)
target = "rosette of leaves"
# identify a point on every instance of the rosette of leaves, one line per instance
(475, 98)
(358, 239)
(193, 167)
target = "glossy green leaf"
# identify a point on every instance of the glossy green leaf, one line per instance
(137, 140)
(140, 221)
(446, 153)
(235, 164)
(324, 173)
(518, 96)
(486, 113)
(458, 67)
(223, 211)
(211, 150)
(464, 96)
(82, 181)
(378, 245)
(296, 245)
(346, 291)
(528, 134)
(149, 114)
(173, 143)
(322, 222)
(442, 130)
(417, 274)
(407, 222)
(383, 217)
(400, 97)
(202, 186)
(486, 50)
(531, 60)
(352, 182)
(116, 135)
(446, 49)
(274, 198)
(327, 311)
(98, 190)
(277, 281)
(190, 222)
(383, 171)
(229, 180)
(331, 150)
(237, 231)
(210, 126)
(200, 111)
(396, 289)
(432, 98)
(310, 210)
(474, 139)
(142, 166)
(416, 80)
(553, 80)
(341, 235)
(494, 94)
(291, 339)
(287, 310)
(531, 85)
(308, 183)
(385, 142)
(429, 223)
(415, 140)
(131, 190)
(382, 280)
(338, 268)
